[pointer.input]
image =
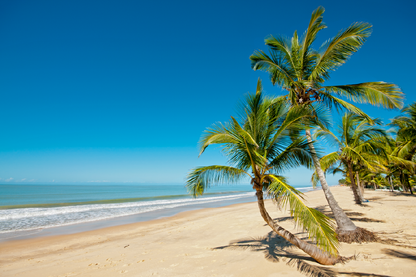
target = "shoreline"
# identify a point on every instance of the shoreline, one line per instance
(226, 241)
(114, 222)
(73, 228)
(116, 228)
(106, 224)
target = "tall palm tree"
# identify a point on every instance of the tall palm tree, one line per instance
(259, 147)
(358, 145)
(295, 66)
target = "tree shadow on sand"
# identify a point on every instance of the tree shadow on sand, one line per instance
(394, 193)
(325, 210)
(272, 245)
(276, 249)
(399, 254)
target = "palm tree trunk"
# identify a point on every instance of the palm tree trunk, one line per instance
(357, 197)
(391, 183)
(402, 182)
(310, 249)
(360, 186)
(347, 231)
(406, 180)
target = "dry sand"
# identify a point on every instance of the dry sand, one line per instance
(227, 241)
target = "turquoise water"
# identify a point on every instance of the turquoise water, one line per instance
(17, 195)
(39, 207)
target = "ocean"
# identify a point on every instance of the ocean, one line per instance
(44, 209)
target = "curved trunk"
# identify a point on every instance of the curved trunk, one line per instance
(360, 186)
(347, 231)
(343, 221)
(357, 197)
(310, 249)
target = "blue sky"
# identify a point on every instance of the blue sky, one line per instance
(121, 91)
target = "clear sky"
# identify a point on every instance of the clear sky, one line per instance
(121, 91)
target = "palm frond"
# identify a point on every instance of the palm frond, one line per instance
(329, 160)
(337, 50)
(376, 93)
(315, 25)
(279, 68)
(296, 154)
(217, 134)
(354, 155)
(243, 133)
(281, 47)
(327, 136)
(201, 178)
(319, 226)
(340, 104)
(297, 118)
(314, 179)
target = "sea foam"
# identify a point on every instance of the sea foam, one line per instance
(26, 219)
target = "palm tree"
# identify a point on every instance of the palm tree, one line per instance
(358, 146)
(406, 134)
(399, 164)
(298, 68)
(369, 177)
(380, 181)
(259, 147)
(406, 142)
(412, 181)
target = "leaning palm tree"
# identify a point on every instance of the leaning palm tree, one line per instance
(358, 144)
(259, 147)
(296, 67)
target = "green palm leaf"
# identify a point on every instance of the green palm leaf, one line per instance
(281, 72)
(319, 226)
(294, 155)
(201, 178)
(376, 93)
(340, 104)
(329, 160)
(307, 56)
(337, 50)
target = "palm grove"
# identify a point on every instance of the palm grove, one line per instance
(271, 135)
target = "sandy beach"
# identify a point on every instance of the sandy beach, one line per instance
(226, 241)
